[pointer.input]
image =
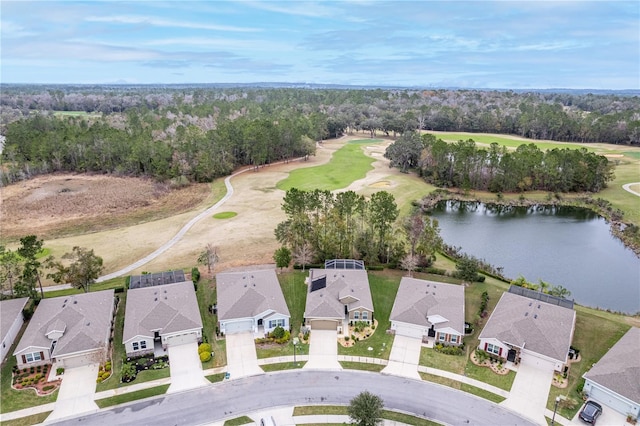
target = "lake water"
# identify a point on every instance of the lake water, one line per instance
(564, 246)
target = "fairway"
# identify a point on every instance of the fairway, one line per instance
(508, 141)
(347, 165)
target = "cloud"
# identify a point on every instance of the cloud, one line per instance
(309, 9)
(10, 29)
(162, 22)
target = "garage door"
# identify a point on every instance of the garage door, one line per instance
(609, 400)
(238, 326)
(181, 339)
(324, 325)
(81, 360)
(406, 330)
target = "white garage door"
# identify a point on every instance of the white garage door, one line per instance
(181, 339)
(238, 327)
(81, 360)
(609, 400)
(406, 330)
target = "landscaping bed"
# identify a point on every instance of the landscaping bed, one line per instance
(34, 378)
(359, 330)
(482, 359)
(132, 367)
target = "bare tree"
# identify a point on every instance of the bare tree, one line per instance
(409, 263)
(303, 254)
(209, 257)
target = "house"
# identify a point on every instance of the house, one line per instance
(429, 310)
(251, 301)
(615, 379)
(11, 321)
(68, 331)
(525, 324)
(159, 316)
(336, 297)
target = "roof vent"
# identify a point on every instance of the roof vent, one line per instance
(65, 300)
(245, 286)
(89, 323)
(165, 298)
(434, 293)
(434, 286)
(428, 284)
(155, 299)
(251, 276)
(535, 316)
(244, 277)
(165, 292)
(64, 305)
(530, 303)
(538, 306)
(75, 302)
(526, 314)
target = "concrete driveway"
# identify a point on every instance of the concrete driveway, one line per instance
(323, 350)
(530, 390)
(76, 392)
(608, 417)
(185, 367)
(242, 360)
(404, 357)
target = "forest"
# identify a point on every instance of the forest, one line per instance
(198, 133)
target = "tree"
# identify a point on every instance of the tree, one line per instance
(467, 268)
(209, 257)
(409, 263)
(84, 269)
(303, 254)
(10, 268)
(282, 256)
(366, 409)
(30, 247)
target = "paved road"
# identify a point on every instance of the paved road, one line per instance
(627, 187)
(237, 397)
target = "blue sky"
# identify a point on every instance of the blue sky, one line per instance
(480, 44)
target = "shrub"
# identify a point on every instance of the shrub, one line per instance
(195, 274)
(59, 371)
(129, 371)
(435, 271)
(107, 366)
(118, 289)
(47, 388)
(204, 347)
(346, 338)
(449, 350)
(306, 335)
(99, 379)
(278, 333)
(285, 338)
(205, 356)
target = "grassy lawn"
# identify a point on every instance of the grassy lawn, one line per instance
(281, 350)
(384, 286)
(295, 294)
(207, 295)
(225, 215)
(11, 399)
(463, 387)
(105, 285)
(431, 358)
(132, 396)
(238, 421)
(595, 333)
(282, 366)
(341, 410)
(35, 419)
(347, 164)
(215, 378)
(627, 170)
(364, 366)
(118, 352)
(510, 142)
(485, 374)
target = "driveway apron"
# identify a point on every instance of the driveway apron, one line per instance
(76, 392)
(185, 367)
(530, 390)
(323, 350)
(242, 360)
(404, 357)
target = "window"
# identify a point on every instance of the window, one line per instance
(365, 315)
(139, 345)
(33, 357)
(281, 322)
(356, 315)
(272, 323)
(454, 339)
(441, 336)
(493, 349)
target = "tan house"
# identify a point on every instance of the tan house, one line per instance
(528, 325)
(429, 310)
(159, 316)
(336, 297)
(68, 331)
(251, 301)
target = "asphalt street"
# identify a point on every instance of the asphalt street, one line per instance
(237, 397)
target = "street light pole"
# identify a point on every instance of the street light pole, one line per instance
(555, 408)
(295, 344)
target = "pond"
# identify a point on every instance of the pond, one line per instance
(564, 246)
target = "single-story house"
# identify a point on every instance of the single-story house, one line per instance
(251, 301)
(429, 310)
(11, 321)
(615, 379)
(525, 325)
(68, 331)
(336, 297)
(161, 316)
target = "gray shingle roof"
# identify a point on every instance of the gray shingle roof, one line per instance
(87, 319)
(619, 369)
(341, 283)
(535, 325)
(168, 308)
(9, 311)
(249, 293)
(417, 299)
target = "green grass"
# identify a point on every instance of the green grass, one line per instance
(281, 350)
(215, 378)
(627, 171)
(463, 387)
(633, 154)
(225, 215)
(149, 375)
(364, 366)
(486, 375)
(295, 294)
(35, 419)
(609, 328)
(347, 164)
(238, 421)
(132, 396)
(341, 410)
(207, 295)
(12, 399)
(268, 368)
(510, 142)
(113, 283)
(118, 351)
(431, 358)
(384, 287)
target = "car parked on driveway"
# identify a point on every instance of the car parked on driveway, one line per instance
(590, 412)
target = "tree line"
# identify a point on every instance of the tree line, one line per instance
(465, 165)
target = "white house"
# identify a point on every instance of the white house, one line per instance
(11, 321)
(251, 302)
(615, 380)
(429, 310)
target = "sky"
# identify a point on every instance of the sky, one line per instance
(472, 44)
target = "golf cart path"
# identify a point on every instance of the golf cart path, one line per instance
(627, 187)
